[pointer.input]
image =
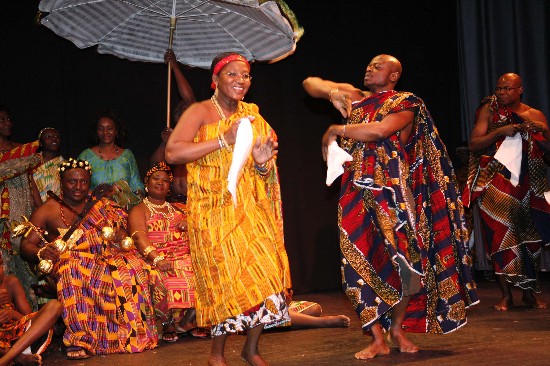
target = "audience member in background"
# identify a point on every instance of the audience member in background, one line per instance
(111, 163)
(16, 160)
(159, 230)
(45, 177)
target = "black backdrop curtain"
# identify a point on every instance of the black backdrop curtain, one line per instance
(47, 81)
(496, 37)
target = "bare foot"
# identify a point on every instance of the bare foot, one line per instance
(529, 300)
(28, 360)
(374, 349)
(503, 305)
(336, 321)
(217, 361)
(253, 360)
(403, 343)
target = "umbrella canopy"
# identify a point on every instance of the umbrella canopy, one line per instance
(140, 30)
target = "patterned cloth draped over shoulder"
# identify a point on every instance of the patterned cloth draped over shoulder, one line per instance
(401, 200)
(515, 217)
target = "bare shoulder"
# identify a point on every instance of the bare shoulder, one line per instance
(534, 114)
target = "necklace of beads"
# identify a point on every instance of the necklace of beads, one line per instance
(63, 215)
(101, 155)
(217, 106)
(153, 208)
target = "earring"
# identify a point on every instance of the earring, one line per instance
(169, 193)
(146, 189)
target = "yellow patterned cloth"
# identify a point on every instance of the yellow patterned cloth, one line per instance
(238, 252)
(46, 177)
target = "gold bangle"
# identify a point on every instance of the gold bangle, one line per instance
(158, 258)
(330, 94)
(148, 250)
(344, 132)
(137, 231)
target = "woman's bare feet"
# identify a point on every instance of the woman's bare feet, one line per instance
(253, 360)
(529, 300)
(374, 349)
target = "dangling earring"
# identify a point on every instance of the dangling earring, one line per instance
(169, 193)
(146, 189)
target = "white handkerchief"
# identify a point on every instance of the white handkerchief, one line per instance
(509, 154)
(336, 157)
(241, 152)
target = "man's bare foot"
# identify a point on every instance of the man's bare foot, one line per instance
(336, 321)
(373, 349)
(253, 360)
(28, 360)
(217, 361)
(403, 343)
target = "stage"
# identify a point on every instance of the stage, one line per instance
(516, 337)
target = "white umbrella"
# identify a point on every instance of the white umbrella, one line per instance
(197, 30)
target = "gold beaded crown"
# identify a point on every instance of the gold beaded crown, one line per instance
(73, 164)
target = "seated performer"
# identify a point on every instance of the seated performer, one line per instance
(19, 328)
(160, 233)
(103, 288)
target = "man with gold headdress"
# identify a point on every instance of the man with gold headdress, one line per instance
(81, 240)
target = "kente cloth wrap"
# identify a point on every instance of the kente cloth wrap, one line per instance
(515, 219)
(12, 330)
(402, 200)
(104, 291)
(174, 289)
(124, 167)
(46, 177)
(16, 201)
(238, 251)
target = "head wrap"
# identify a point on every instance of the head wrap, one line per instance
(160, 167)
(74, 164)
(224, 61)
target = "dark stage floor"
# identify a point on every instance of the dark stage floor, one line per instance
(516, 337)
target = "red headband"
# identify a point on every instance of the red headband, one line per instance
(224, 61)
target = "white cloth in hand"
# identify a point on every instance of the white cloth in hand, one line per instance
(509, 154)
(336, 157)
(241, 152)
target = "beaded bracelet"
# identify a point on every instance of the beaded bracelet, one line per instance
(158, 258)
(148, 250)
(263, 169)
(224, 142)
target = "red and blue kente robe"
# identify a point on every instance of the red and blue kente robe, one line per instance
(515, 219)
(403, 201)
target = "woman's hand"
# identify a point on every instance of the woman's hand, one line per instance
(263, 152)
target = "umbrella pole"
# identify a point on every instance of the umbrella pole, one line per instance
(171, 40)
